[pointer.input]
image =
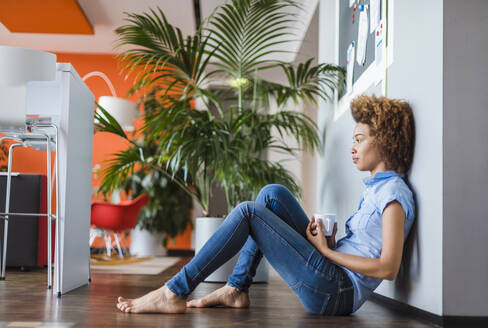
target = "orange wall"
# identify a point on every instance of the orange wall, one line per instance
(104, 144)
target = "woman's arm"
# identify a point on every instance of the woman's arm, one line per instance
(385, 267)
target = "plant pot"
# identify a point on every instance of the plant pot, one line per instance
(205, 227)
(145, 244)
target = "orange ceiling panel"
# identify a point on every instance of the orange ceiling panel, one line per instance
(46, 16)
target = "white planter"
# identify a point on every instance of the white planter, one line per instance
(204, 228)
(145, 244)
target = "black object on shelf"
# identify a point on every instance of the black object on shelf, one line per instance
(24, 247)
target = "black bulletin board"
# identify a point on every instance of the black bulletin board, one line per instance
(348, 32)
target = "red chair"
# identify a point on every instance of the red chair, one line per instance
(108, 219)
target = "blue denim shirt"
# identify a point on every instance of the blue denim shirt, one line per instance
(364, 227)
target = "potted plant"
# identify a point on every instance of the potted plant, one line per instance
(168, 212)
(224, 140)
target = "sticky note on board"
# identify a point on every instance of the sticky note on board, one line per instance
(351, 51)
(374, 15)
(363, 27)
(379, 43)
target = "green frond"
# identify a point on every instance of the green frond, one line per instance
(160, 52)
(104, 122)
(244, 32)
(118, 168)
(306, 82)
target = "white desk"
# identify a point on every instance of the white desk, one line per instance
(72, 104)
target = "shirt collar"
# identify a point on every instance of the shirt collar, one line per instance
(368, 181)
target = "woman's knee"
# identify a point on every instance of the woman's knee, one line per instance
(249, 209)
(272, 190)
(246, 207)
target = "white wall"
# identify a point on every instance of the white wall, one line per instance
(303, 166)
(465, 266)
(309, 48)
(415, 75)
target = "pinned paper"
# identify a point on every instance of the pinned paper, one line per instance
(351, 50)
(379, 44)
(374, 15)
(362, 35)
(378, 49)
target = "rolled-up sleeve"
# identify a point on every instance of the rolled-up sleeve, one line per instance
(390, 193)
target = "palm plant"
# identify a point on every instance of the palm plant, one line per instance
(225, 140)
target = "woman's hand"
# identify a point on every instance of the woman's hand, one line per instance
(315, 235)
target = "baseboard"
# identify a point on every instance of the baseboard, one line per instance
(443, 321)
(171, 252)
(181, 252)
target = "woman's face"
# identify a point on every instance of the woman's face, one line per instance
(364, 152)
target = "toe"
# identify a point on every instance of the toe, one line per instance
(203, 302)
(193, 303)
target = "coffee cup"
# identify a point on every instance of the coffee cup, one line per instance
(328, 220)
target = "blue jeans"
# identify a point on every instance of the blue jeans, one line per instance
(273, 225)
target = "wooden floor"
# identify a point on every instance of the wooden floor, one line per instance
(24, 297)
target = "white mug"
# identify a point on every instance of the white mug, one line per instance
(328, 220)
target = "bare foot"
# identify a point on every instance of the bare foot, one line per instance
(226, 296)
(161, 300)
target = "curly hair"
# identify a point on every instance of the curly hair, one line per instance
(391, 123)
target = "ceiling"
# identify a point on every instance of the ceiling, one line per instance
(106, 15)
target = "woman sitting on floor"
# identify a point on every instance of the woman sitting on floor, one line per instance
(329, 278)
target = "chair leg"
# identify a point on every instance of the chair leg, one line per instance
(7, 209)
(108, 243)
(4, 250)
(49, 215)
(116, 235)
(93, 235)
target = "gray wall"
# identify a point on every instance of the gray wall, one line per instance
(440, 68)
(465, 262)
(415, 75)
